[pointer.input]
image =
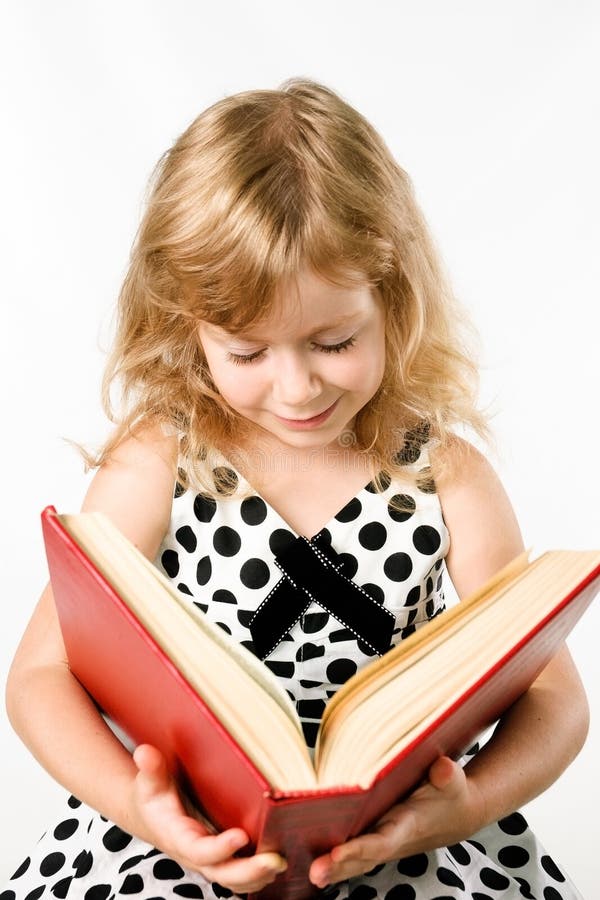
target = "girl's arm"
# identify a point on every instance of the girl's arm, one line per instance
(61, 725)
(549, 722)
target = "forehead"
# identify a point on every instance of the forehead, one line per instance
(310, 303)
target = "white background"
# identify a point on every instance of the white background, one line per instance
(492, 108)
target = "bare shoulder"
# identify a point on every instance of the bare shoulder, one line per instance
(484, 532)
(135, 486)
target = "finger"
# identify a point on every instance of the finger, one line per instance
(153, 774)
(445, 773)
(247, 874)
(352, 858)
(210, 849)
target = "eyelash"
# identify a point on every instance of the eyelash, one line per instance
(241, 359)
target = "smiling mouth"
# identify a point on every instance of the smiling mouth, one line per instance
(311, 419)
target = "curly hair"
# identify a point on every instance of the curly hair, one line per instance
(260, 185)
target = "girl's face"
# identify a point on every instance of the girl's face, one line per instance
(303, 374)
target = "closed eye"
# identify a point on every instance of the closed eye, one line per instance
(244, 358)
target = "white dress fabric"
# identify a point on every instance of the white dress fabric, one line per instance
(221, 556)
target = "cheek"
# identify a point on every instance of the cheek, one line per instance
(238, 386)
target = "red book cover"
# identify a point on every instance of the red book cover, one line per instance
(135, 683)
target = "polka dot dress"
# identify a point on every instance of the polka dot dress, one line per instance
(225, 557)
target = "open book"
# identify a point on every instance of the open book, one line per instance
(169, 677)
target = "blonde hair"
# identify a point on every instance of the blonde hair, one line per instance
(259, 186)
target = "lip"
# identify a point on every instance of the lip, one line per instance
(313, 422)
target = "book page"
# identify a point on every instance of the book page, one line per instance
(365, 683)
(360, 736)
(252, 717)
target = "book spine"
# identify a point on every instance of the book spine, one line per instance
(301, 828)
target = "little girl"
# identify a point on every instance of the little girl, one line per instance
(292, 365)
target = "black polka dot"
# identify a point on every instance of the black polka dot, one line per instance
(280, 540)
(188, 890)
(401, 507)
(350, 511)
(426, 539)
(130, 862)
(226, 541)
(253, 510)
(460, 854)
(98, 892)
(425, 482)
(223, 596)
(385, 481)
(203, 570)
(398, 566)
(116, 839)
(170, 562)
(8, 895)
(413, 596)
(375, 592)
(133, 884)
(66, 829)
(73, 802)
(401, 892)
(492, 879)
(550, 867)
(524, 888)
(254, 573)
(551, 893)
(35, 893)
(340, 670)
(184, 589)
(60, 888)
(413, 866)
(245, 616)
(225, 480)
(52, 864)
(309, 651)
(449, 878)
(477, 895)
(204, 507)
(310, 731)
(221, 891)
(513, 824)
(165, 869)
(372, 536)
(324, 537)
(479, 847)
(341, 634)
(22, 868)
(313, 622)
(280, 668)
(203, 607)
(363, 892)
(83, 863)
(186, 537)
(513, 856)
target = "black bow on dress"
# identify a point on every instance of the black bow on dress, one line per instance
(313, 572)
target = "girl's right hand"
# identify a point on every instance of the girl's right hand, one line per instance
(185, 839)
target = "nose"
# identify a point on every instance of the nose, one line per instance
(295, 381)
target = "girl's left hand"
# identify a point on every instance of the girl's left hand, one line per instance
(446, 809)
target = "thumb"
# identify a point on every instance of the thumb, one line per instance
(444, 772)
(153, 775)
